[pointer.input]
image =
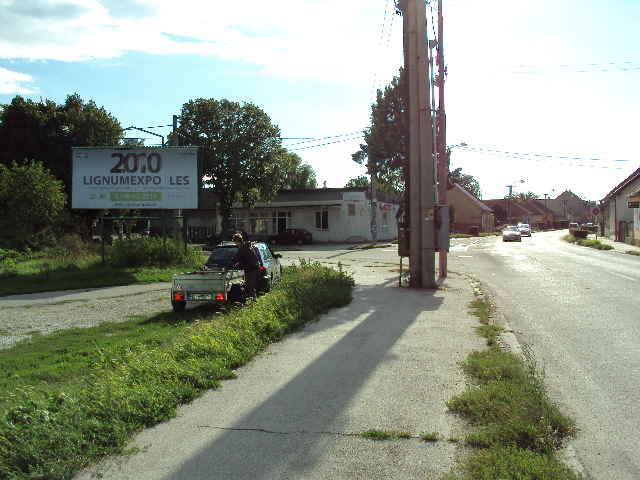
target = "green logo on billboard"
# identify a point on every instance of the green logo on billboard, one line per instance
(135, 196)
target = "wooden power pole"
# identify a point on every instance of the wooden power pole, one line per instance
(421, 172)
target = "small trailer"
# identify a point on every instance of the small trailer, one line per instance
(209, 285)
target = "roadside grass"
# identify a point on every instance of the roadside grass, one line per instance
(82, 394)
(633, 252)
(133, 261)
(597, 244)
(516, 429)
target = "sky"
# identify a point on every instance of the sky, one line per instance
(542, 95)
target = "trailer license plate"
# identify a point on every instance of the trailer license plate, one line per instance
(200, 296)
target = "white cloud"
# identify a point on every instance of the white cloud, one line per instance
(15, 83)
(325, 39)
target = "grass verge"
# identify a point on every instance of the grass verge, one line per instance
(597, 244)
(100, 395)
(75, 265)
(516, 429)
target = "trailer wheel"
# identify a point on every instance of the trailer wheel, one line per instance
(178, 305)
(236, 294)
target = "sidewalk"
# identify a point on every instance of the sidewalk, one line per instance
(618, 246)
(387, 361)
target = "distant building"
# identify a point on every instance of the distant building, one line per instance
(620, 218)
(330, 214)
(469, 211)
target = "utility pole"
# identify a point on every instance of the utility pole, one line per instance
(421, 173)
(443, 168)
(510, 187)
(177, 234)
(374, 208)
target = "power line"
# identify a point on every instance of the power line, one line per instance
(545, 158)
(313, 140)
(323, 144)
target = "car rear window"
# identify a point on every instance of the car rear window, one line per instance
(221, 256)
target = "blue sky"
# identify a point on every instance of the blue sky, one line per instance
(541, 91)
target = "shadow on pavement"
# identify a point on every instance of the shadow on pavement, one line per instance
(279, 436)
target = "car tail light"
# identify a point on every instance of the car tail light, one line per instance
(179, 297)
(219, 296)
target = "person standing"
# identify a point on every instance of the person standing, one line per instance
(248, 260)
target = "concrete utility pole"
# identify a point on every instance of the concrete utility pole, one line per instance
(443, 168)
(177, 226)
(374, 208)
(421, 174)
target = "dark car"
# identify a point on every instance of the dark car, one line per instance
(217, 237)
(297, 236)
(270, 267)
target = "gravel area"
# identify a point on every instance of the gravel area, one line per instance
(22, 316)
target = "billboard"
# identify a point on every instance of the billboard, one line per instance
(139, 177)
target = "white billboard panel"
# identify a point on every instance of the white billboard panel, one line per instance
(140, 177)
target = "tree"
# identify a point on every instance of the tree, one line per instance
(241, 150)
(297, 174)
(467, 182)
(524, 196)
(45, 132)
(361, 181)
(33, 200)
(500, 213)
(385, 140)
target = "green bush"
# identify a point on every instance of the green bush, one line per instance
(150, 252)
(579, 234)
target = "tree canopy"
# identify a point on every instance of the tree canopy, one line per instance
(361, 181)
(32, 199)
(45, 131)
(385, 141)
(242, 156)
(297, 174)
(467, 182)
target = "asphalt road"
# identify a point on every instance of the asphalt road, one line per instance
(577, 309)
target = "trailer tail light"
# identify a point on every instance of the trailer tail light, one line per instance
(179, 297)
(219, 296)
(262, 269)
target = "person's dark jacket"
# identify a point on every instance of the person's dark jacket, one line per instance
(246, 257)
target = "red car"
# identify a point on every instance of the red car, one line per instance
(291, 235)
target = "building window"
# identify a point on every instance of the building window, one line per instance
(259, 223)
(351, 209)
(322, 220)
(385, 218)
(281, 221)
(237, 221)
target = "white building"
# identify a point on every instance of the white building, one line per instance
(330, 214)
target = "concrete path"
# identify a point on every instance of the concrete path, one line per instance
(386, 361)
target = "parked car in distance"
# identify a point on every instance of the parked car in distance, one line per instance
(573, 225)
(525, 229)
(216, 238)
(291, 235)
(270, 267)
(511, 234)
